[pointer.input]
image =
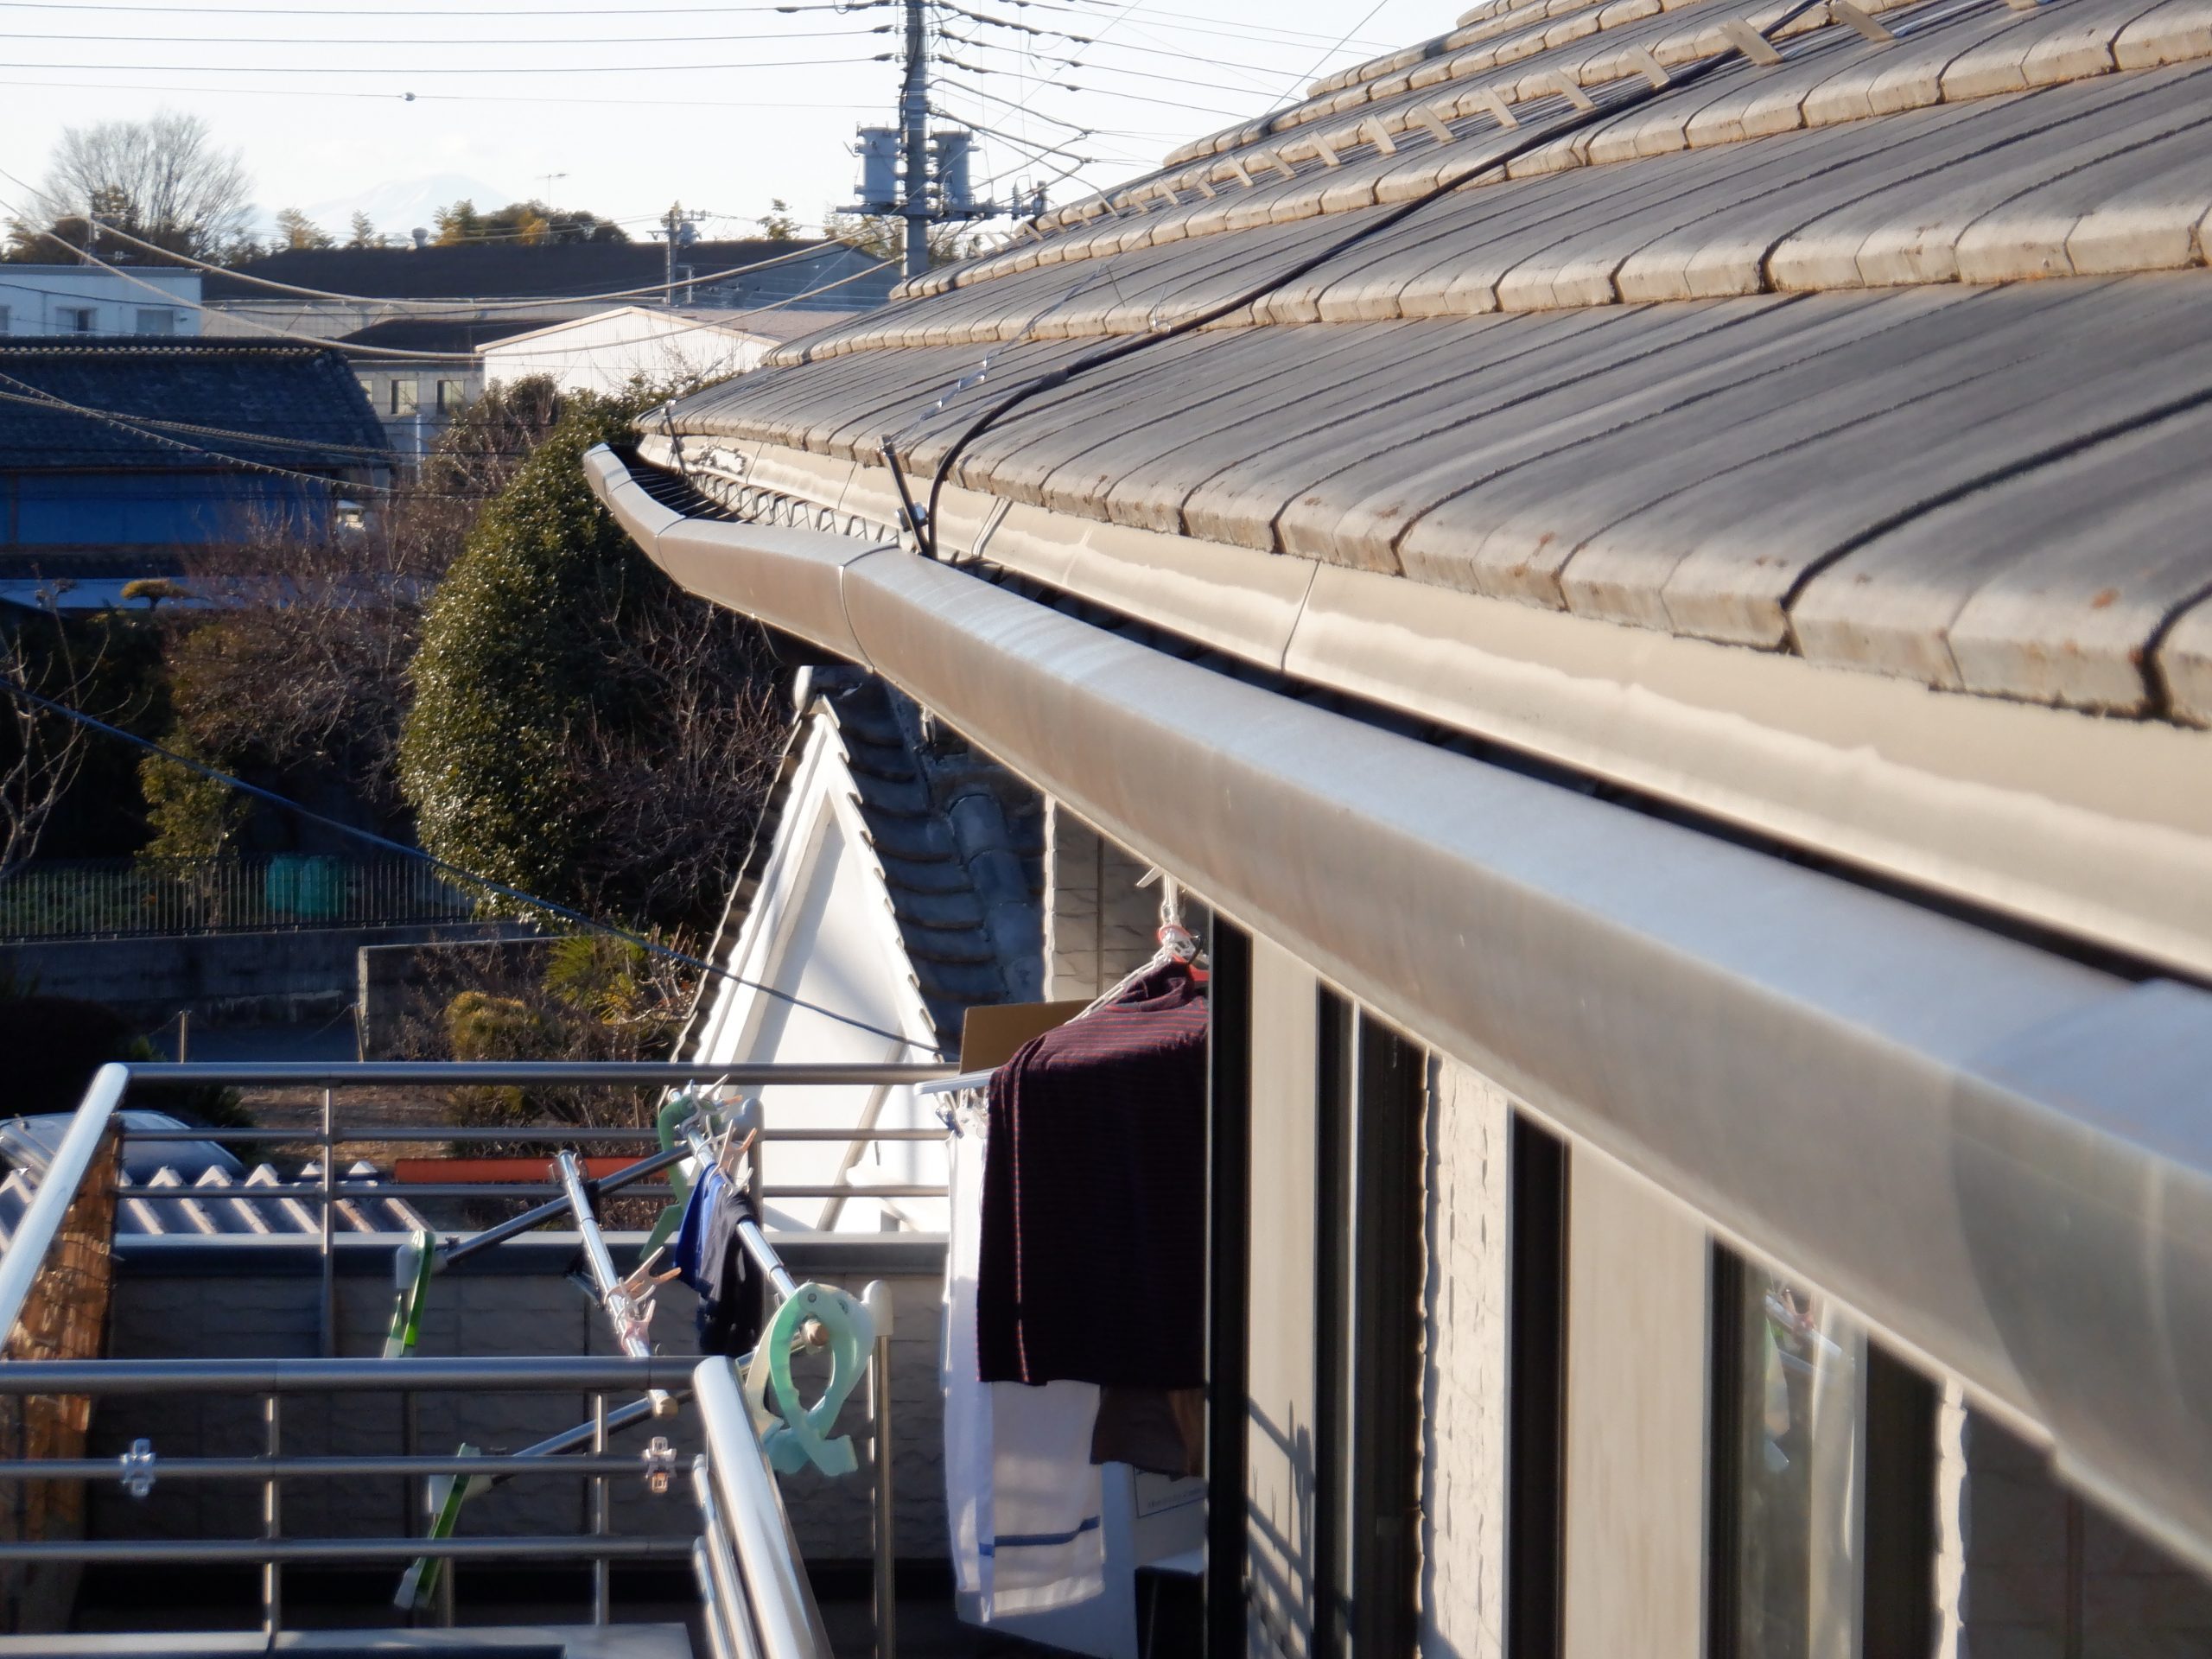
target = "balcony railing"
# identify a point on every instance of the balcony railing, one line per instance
(753, 1589)
(118, 898)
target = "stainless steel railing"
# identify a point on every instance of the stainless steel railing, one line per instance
(754, 1591)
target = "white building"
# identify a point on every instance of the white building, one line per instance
(892, 885)
(39, 300)
(606, 352)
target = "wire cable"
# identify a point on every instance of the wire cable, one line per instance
(467, 69)
(1642, 92)
(806, 252)
(384, 843)
(449, 42)
(387, 352)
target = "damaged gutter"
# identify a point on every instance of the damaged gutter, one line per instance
(1997, 1156)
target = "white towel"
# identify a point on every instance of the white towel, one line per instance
(1022, 1497)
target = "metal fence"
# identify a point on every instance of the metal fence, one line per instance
(118, 898)
(756, 1600)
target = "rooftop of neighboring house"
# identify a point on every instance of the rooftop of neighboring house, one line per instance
(563, 271)
(1883, 346)
(437, 334)
(183, 405)
(786, 323)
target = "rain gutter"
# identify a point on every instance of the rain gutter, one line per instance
(2097, 829)
(1998, 1157)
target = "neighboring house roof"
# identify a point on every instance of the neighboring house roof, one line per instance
(957, 843)
(218, 1180)
(505, 270)
(764, 325)
(1889, 354)
(300, 396)
(436, 334)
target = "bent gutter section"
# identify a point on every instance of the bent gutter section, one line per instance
(1863, 1091)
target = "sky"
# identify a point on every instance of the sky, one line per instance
(723, 105)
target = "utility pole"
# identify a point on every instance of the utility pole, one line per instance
(676, 227)
(914, 110)
(907, 171)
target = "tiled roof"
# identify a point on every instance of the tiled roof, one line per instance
(502, 271)
(959, 840)
(439, 333)
(1891, 354)
(301, 394)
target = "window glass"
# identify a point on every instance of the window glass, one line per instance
(3, 318)
(449, 395)
(369, 385)
(78, 320)
(155, 319)
(403, 397)
(1798, 1475)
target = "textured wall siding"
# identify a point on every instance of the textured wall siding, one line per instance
(1099, 925)
(2027, 1571)
(1463, 1370)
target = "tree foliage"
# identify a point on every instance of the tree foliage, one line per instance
(531, 224)
(102, 664)
(884, 236)
(162, 180)
(296, 232)
(307, 689)
(580, 727)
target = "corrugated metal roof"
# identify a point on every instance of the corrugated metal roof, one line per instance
(369, 1204)
(1893, 354)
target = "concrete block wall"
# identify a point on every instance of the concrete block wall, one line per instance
(1467, 1213)
(248, 1297)
(285, 974)
(1099, 925)
(2036, 1572)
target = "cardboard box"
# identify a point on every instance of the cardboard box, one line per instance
(989, 1037)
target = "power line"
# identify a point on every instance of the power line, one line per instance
(566, 913)
(387, 352)
(453, 69)
(1094, 68)
(451, 97)
(520, 303)
(383, 355)
(504, 44)
(435, 11)
(135, 425)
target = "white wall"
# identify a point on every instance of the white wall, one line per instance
(605, 353)
(1464, 1374)
(39, 300)
(821, 930)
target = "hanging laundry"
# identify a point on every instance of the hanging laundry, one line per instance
(1161, 1431)
(1022, 1499)
(1092, 1254)
(711, 1259)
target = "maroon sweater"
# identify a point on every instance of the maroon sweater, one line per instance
(1092, 1266)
